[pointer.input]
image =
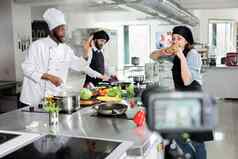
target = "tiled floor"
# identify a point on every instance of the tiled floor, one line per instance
(225, 145)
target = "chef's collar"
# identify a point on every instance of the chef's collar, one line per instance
(52, 42)
(97, 50)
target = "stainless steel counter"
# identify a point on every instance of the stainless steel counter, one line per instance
(82, 124)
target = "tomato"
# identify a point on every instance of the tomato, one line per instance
(102, 91)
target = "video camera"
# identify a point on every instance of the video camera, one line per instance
(175, 112)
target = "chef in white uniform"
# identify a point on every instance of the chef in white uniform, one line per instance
(48, 61)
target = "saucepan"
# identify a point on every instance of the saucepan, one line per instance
(111, 108)
(68, 101)
(135, 61)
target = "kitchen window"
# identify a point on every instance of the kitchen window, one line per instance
(221, 38)
(139, 42)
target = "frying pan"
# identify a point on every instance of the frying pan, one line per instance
(110, 109)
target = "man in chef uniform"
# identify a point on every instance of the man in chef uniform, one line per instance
(48, 61)
(96, 58)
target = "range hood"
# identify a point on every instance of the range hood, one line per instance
(168, 10)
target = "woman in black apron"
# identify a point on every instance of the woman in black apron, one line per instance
(186, 76)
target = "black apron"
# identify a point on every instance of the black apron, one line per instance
(97, 64)
(194, 86)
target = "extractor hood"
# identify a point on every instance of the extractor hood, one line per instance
(169, 10)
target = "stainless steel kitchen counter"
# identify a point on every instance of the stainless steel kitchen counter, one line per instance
(82, 124)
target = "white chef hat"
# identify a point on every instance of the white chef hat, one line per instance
(54, 18)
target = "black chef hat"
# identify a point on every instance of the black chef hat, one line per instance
(101, 35)
(184, 32)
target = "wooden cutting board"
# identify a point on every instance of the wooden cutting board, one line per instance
(108, 99)
(89, 102)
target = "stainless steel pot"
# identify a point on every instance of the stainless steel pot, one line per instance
(68, 101)
(111, 109)
(135, 61)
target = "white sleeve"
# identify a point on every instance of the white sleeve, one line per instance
(30, 65)
(80, 64)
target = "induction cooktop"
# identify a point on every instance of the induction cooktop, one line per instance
(62, 147)
(4, 137)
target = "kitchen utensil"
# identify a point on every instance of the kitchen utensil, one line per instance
(111, 108)
(68, 101)
(135, 61)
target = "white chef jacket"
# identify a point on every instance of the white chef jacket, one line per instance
(46, 56)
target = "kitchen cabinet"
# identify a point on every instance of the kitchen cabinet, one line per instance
(9, 95)
(39, 30)
(8, 103)
(221, 81)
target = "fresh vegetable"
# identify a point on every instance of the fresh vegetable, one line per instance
(124, 93)
(51, 106)
(85, 94)
(131, 90)
(114, 92)
(103, 91)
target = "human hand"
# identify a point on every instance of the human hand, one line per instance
(155, 55)
(53, 79)
(160, 53)
(88, 45)
(105, 78)
(179, 53)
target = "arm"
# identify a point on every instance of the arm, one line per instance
(167, 53)
(194, 64)
(89, 58)
(161, 54)
(185, 72)
(87, 49)
(190, 66)
(31, 68)
(79, 64)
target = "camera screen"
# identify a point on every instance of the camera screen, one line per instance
(177, 113)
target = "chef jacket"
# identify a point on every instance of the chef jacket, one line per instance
(46, 56)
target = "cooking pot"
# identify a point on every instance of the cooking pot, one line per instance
(68, 101)
(111, 108)
(135, 61)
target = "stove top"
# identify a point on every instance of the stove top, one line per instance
(12, 140)
(61, 147)
(41, 110)
(6, 137)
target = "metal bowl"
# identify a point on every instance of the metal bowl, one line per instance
(111, 108)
